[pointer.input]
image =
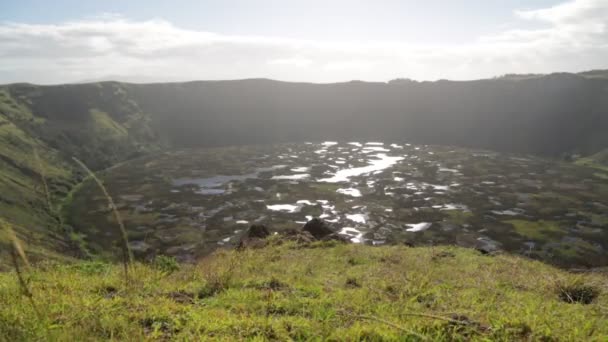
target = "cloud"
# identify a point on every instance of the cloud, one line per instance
(569, 12)
(570, 36)
(576, 23)
(294, 61)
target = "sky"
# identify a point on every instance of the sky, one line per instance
(64, 41)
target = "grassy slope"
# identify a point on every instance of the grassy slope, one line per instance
(33, 120)
(598, 160)
(23, 199)
(323, 291)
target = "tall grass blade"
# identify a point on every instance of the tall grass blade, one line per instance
(127, 255)
(47, 194)
(17, 247)
(54, 211)
(17, 252)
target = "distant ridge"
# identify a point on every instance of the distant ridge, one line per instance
(142, 79)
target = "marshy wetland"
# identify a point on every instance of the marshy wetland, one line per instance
(189, 202)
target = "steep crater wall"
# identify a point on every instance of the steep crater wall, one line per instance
(105, 123)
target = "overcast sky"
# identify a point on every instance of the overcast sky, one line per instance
(65, 41)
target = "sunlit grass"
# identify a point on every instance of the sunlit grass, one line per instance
(334, 292)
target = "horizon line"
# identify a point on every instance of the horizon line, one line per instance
(117, 80)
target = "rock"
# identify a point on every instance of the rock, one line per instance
(317, 228)
(487, 246)
(258, 231)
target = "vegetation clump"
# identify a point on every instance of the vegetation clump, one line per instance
(166, 264)
(578, 292)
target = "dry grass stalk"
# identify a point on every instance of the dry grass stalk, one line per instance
(17, 247)
(45, 185)
(17, 252)
(127, 255)
(47, 194)
(447, 319)
(22, 283)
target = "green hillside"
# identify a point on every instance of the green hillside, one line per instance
(598, 160)
(38, 137)
(311, 291)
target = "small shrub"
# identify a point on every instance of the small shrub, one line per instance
(577, 293)
(166, 264)
(219, 274)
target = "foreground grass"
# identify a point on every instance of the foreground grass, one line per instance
(318, 292)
